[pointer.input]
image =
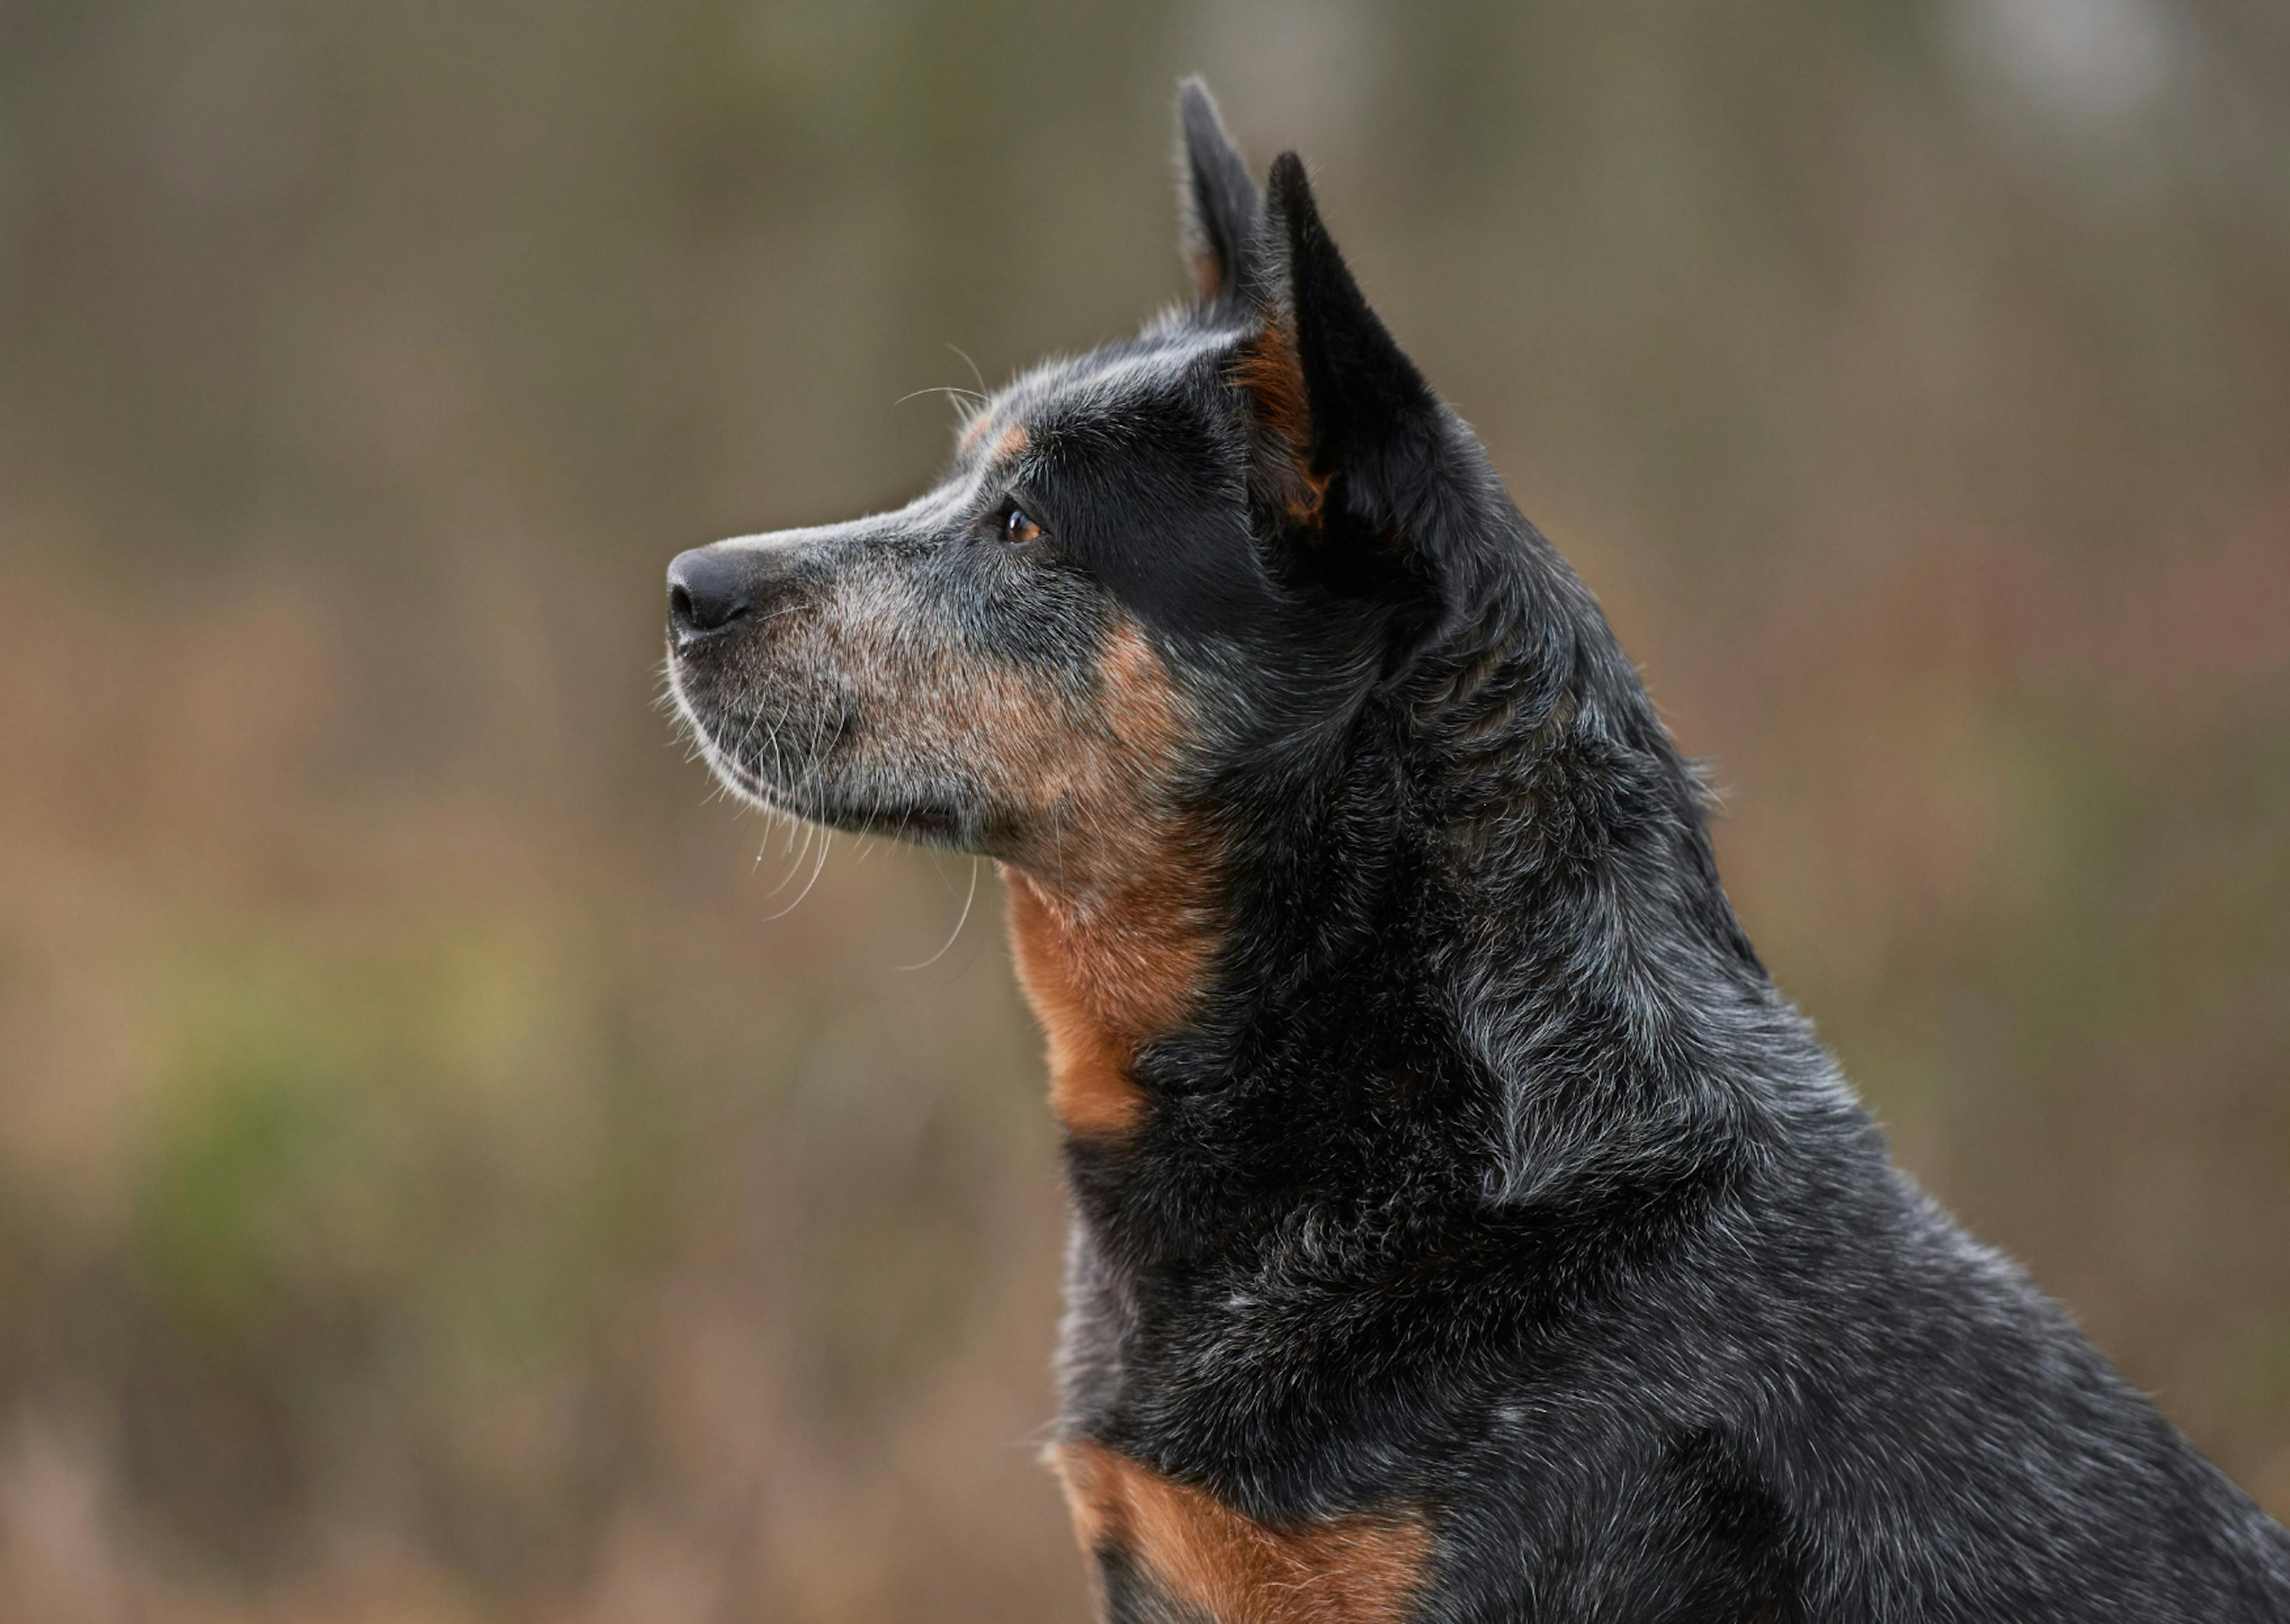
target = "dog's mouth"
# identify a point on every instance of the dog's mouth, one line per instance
(921, 822)
(781, 767)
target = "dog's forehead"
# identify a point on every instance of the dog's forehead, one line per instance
(1133, 382)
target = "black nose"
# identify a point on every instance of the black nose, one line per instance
(707, 590)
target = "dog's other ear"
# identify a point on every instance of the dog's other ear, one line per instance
(1345, 427)
(1216, 198)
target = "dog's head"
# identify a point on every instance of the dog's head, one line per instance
(1144, 566)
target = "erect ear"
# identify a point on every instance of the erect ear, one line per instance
(1215, 197)
(1344, 423)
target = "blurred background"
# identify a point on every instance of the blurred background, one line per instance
(437, 1183)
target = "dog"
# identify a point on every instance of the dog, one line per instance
(1464, 1228)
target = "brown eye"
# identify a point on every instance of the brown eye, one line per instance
(1016, 526)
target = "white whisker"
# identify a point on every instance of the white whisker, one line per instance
(948, 945)
(972, 365)
(825, 846)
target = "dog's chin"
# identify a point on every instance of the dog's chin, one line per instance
(921, 820)
(819, 794)
(918, 822)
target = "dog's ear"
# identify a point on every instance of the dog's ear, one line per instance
(1215, 197)
(1347, 434)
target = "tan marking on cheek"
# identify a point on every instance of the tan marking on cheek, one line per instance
(1113, 928)
(1111, 892)
(1013, 443)
(1362, 1569)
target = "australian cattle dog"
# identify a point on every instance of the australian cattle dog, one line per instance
(1464, 1228)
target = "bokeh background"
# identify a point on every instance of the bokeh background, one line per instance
(441, 1180)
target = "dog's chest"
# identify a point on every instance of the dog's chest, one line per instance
(1163, 1550)
(1166, 1551)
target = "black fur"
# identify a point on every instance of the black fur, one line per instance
(1218, 198)
(1489, 1179)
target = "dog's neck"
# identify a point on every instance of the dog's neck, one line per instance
(1505, 867)
(1107, 969)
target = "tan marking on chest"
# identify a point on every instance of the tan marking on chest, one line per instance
(1112, 939)
(1362, 1569)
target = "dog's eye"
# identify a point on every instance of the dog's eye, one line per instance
(1016, 526)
